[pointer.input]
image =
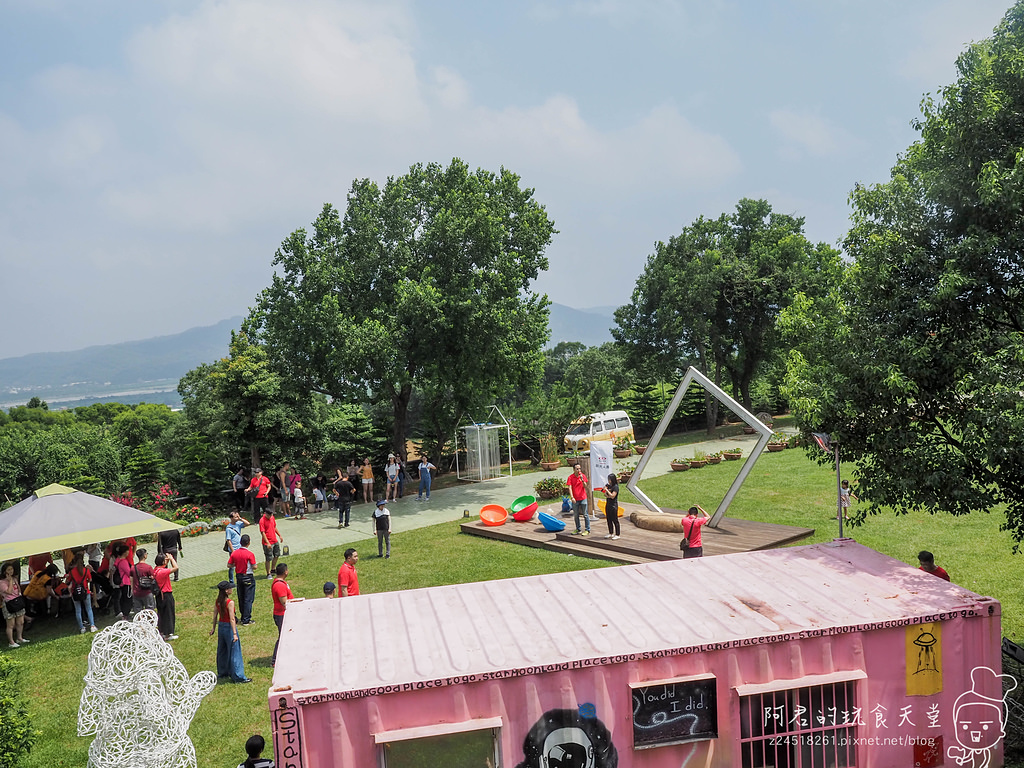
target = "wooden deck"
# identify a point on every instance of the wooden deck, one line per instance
(639, 545)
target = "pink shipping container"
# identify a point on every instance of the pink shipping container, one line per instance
(808, 657)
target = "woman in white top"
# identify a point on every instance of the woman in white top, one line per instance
(392, 472)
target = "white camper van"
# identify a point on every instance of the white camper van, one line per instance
(607, 425)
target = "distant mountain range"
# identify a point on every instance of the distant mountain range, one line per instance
(149, 370)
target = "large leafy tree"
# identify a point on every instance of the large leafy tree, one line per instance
(711, 295)
(924, 383)
(424, 284)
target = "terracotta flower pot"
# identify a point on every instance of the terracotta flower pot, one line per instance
(640, 449)
(624, 477)
(732, 456)
(714, 459)
(748, 430)
(622, 454)
(547, 494)
(547, 466)
(698, 464)
(776, 447)
(679, 467)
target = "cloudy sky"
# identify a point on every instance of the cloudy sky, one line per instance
(154, 154)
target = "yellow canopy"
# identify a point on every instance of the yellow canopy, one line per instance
(57, 517)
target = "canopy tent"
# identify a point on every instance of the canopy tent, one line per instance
(57, 517)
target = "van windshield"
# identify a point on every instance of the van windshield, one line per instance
(580, 429)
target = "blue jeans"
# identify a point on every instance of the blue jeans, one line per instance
(580, 508)
(229, 653)
(88, 611)
(424, 483)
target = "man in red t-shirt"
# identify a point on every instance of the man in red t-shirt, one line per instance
(927, 564)
(577, 483)
(281, 593)
(348, 579)
(244, 563)
(259, 488)
(271, 540)
(691, 530)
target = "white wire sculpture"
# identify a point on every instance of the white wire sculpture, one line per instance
(138, 699)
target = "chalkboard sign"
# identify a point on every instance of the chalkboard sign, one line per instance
(676, 712)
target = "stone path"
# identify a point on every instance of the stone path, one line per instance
(205, 555)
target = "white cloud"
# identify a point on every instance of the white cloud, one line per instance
(805, 132)
(346, 60)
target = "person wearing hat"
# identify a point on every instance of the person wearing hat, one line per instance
(382, 524)
(329, 589)
(425, 469)
(229, 648)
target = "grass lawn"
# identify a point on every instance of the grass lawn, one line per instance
(785, 488)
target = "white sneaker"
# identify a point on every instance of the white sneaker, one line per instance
(82, 631)
(609, 536)
(24, 640)
(13, 645)
(615, 536)
(172, 637)
(93, 628)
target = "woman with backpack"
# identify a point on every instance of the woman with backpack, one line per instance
(79, 581)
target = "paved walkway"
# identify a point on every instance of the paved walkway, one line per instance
(205, 555)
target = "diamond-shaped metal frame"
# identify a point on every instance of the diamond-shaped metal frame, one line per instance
(692, 375)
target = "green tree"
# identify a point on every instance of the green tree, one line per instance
(145, 467)
(248, 409)
(425, 285)
(711, 296)
(923, 384)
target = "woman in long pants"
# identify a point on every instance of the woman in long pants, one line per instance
(229, 648)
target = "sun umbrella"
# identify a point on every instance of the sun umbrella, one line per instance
(57, 517)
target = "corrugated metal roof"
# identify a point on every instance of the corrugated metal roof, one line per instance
(395, 638)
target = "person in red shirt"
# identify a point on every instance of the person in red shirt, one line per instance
(271, 540)
(244, 563)
(691, 530)
(165, 567)
(927, 564)
(577, 483)
(348, 579)
(259, 489)
(281, 593)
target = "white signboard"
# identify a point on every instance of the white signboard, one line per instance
(601, 465)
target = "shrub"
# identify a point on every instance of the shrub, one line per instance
(549, 448)
(16, 734)
(551, 486)
(197, 528)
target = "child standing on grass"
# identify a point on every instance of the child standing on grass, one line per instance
(845, 494)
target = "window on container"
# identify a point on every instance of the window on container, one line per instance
(622, 423)
(469, 749)
(609, 425)
(812, 727)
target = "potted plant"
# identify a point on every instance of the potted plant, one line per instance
(700, 459)
(778, 442)
(622, 448)
(715, 458)
(640, 449)
(626, 471)
(549, 452)
(732, 454)
(680, 465)
(551, 488)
